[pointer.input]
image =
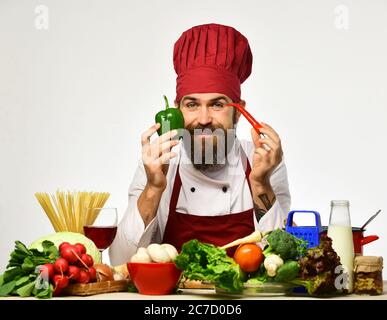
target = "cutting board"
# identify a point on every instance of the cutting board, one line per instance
(88, 289)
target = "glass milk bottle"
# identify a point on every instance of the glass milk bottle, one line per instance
(340, 231)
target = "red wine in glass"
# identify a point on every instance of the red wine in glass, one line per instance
(102, 236)
(104, 228)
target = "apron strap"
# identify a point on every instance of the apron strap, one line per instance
(175, 191)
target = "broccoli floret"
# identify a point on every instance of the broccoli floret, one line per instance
(287, 272)
(286, 245)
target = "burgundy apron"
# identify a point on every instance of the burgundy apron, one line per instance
(218, 230)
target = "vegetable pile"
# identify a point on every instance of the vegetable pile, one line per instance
(284, 259)
(46, 273)
(281, 258)
(74, 265)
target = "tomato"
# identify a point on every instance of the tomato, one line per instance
(249, 256)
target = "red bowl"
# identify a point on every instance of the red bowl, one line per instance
(154, 278)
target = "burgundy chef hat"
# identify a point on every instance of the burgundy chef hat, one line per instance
(211, 58)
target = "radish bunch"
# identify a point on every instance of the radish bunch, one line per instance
(74, 265)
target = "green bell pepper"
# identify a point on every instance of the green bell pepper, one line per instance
(169, 119)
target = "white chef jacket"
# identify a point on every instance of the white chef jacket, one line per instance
(200, 194)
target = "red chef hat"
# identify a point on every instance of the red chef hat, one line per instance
(211, 58)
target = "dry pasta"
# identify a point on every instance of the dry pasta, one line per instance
(70, 211)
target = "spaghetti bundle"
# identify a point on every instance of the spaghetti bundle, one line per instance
(70, 211)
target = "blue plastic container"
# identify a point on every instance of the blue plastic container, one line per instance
(308, 233)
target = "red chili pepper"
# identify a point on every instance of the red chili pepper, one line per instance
(256, 125)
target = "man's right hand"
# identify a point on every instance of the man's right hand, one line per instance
(156, 156)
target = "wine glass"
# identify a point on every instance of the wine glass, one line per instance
(104, 228)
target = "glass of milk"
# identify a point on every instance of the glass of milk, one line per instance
(340, 231)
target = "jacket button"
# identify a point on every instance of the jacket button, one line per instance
(192, 189)
(224, 189)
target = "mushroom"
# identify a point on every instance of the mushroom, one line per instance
(171, 250)
(141, 256)
(272, 263)
(158, 253)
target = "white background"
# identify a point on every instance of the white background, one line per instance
(75, 98)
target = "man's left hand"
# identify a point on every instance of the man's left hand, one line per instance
(267, 155)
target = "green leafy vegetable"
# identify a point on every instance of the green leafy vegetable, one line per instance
(132, 288)
(259, 277)
(7, 288)
(26, 290)
(317, 268)
(11, 274)
(256, 281)
(43, 293)
(22, 280)
(202, 261)
(21, 276)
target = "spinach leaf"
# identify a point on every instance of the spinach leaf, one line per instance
(7, 288)
(22, 248)
(37, 261)
(49, 248)
(45, 293)
(25, 291)
(17, 257)
(28, 265)
(21, 281)
(11, 274)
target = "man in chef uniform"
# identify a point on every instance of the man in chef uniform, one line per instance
(177, 195)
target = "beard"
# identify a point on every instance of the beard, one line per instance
(208, 146)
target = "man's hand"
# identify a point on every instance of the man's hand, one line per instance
(156, 156)
(267, 155)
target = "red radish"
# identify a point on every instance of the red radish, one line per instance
(76, 250)
(61, 265)
(93, 274)
(57, 291)
(73, 273)
(60, 281)
(87, 259)
(84, 277)
(81, 248)
(47, 269)
(63, 245)
(69, 253)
